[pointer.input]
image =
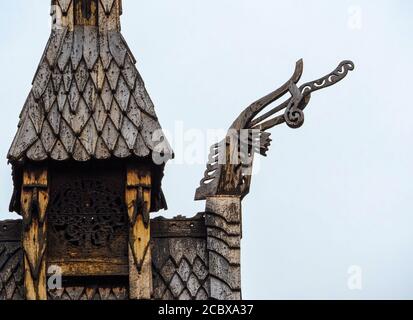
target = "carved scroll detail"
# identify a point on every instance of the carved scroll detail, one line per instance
(138, 201)
(34, 202)
(337, 75)
(294, 115)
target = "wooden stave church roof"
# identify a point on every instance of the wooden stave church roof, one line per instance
(88, 100)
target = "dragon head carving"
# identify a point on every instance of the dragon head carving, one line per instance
(229, 168)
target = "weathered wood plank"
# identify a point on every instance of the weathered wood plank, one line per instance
(81, 75)
(66, 52)
(34, 203)
(102, 151)
(117, 47)
(105, 54)
(59, 152)
(86, 13)
(77, 49)
(113, 74)
(134, 113)
(107, 5)
(64, 4)
(80, 153)
(91, 47)
(49, 96)
(130, 73)
(110, 135)
(91, 267)
(67, 136)
(106, 95)
(90, 95)
(37, 152)
(99, 115)
(24, 139)
(98, 75)
(10, 230)
(116, 115)
(55, 43)
(179, 227)
(89, 137)
(138, 200)
(121, 151)
(122, 94)
(41, 79)
(140, 149)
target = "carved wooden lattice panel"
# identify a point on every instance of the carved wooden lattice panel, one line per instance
(87, 213)
(88, 226)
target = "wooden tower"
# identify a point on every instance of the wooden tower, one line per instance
(88, 157)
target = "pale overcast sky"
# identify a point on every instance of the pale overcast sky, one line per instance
(336, 193)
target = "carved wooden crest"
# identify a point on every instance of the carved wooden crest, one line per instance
(229, 167)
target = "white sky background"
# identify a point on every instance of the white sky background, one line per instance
(333, 194)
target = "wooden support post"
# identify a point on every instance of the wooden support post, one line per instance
(138, 200)
(224, 233)
(34, 202)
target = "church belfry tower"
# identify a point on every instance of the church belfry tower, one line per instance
(88, 158)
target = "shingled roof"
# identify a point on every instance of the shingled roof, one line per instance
(88, 100)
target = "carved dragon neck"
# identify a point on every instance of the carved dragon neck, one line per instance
(229, 167)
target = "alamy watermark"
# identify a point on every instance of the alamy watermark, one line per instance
(355, 17)
(55, 278)
(355, 278)
(193, 146)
